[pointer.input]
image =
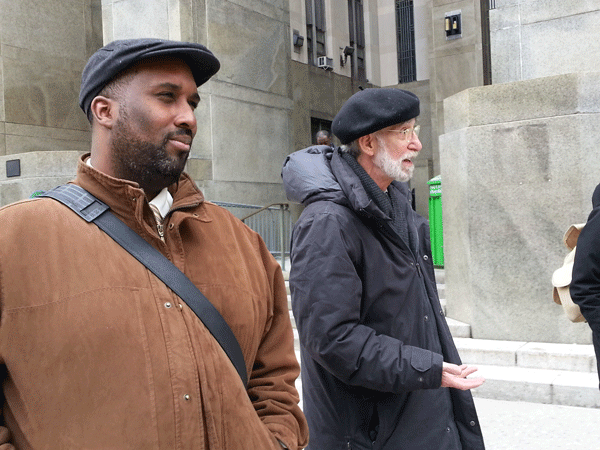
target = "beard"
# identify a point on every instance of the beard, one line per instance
(393, 167)
(144, 162)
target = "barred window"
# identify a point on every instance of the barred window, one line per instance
(315, 30)
(356, 26)
(405, 32)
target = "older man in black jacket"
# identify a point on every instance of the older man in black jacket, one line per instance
(379, 366)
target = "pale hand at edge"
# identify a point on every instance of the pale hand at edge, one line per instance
(454, 376)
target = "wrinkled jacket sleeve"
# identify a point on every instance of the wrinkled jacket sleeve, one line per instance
(271, 386)
(326, 295)
(585, 285)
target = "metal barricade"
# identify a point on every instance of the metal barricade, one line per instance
(273, 223)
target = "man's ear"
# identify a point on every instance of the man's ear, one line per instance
(104, 110)
(368, 144)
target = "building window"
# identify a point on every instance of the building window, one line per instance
(486, 46)
(315, 30)
(356, 26)
(405, 32)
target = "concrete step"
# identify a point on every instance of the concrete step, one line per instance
(440, 276)
(441, 288)
(534, 355)
(560, 374)
(555, 387)
(443, 303)
(459, 329)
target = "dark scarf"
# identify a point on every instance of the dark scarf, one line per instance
(381, 199)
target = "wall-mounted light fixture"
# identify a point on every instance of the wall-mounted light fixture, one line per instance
(347, 51)
(453, 25)
(297, 40)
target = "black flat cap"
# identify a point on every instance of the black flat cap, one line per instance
(117, 56)
(371, 110)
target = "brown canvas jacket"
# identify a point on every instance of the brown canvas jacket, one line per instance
(99, 354)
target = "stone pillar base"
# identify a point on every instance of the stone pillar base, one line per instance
(519, 165)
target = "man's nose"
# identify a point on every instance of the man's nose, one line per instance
(415, 143)
(186, 118)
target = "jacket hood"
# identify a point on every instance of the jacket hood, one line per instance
(307, 176)
(319, 173)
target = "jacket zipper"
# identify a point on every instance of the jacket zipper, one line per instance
(159, 226)
(419, 269)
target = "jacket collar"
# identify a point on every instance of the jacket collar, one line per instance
(127, 200)
(355, 192)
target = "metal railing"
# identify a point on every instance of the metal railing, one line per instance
(272, 222)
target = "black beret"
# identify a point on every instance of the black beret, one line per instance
(371, 110)
(117, 56)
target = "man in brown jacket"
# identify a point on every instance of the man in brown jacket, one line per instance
(97, 352)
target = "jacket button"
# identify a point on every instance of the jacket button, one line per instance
(472, 423)
(425, 257)
(448, 429)
(420, 379)
(186, 397)
(170, 226)
(180, 306)
(168, 305)
(442, 312)
(426, 317)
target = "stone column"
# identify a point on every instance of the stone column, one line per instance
(519, 165)
(244, 118)
(43, 48)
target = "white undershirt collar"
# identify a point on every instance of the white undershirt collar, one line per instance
(163, 201)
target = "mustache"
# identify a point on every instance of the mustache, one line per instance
(410, 155)
(180, 132)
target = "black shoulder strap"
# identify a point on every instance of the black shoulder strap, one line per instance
(93, 210)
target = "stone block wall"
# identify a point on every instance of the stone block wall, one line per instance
(43, 48)
(539, 38)
(519, 165)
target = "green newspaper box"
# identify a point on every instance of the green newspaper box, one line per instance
(436, 228)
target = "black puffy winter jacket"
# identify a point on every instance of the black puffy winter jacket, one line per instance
(372, 331)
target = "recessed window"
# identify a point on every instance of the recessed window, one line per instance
(315, 30)
(405, 32)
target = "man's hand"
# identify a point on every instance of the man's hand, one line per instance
(454, 376)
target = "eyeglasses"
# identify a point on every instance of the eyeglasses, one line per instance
(407, 134)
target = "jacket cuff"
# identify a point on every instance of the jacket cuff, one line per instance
(428, 368)
(284, 436)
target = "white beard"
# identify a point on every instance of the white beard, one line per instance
(393, 167)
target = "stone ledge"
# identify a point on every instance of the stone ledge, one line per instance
(535, 355)
(559, 95)
(539, 386)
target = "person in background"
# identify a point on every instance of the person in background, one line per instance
(585, 282)
(96, 351)
(379, 367)
(323, 137)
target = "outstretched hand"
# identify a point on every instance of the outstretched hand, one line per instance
(454, 376)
